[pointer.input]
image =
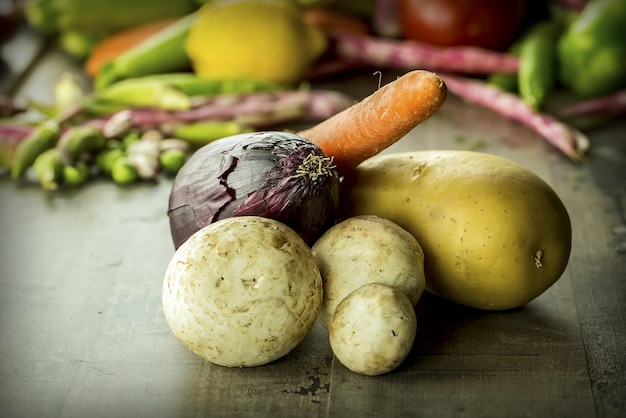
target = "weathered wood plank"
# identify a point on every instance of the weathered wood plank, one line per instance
(82, 331)
(596, 193)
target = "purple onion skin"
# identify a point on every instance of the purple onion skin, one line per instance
(277, 175)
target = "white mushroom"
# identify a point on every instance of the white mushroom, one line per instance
(242, 291)
(367, 249)
(373, 329)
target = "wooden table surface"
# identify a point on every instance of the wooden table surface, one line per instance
(82, 332)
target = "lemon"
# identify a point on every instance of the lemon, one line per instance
(259, 39)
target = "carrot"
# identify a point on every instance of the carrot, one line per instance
(378, 121)
(119, 42)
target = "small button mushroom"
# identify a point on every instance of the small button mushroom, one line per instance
(366, 249)
(242, 291)
(373, 329)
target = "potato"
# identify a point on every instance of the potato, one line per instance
(366, 249)
(495, 235)
(242, 291)
(373, 329)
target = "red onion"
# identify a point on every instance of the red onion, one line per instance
(276, 175)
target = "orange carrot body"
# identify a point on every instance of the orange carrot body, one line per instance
(119, 42)
(378, 121)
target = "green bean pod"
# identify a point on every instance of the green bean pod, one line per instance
(192, 85)
(201, 133)
(48, 168)
(538, 63)
(139, 92)
(44, 137)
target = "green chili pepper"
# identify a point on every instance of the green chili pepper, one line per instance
(44, 137)
(538, 65)
(592, 50)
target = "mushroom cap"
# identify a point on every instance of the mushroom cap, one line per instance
(373, 329)
(242, 291)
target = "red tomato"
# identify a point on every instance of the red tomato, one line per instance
(492, 24)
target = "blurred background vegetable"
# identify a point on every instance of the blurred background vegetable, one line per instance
(592, 51)
(137, 128)
(160, 52)
(268, 40)
(200, 70)
(538, 64)
(491, 24)
(100, 18)
(119, 42)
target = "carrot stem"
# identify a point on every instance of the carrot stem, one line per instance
(380, 120)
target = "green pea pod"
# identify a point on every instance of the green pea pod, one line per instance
(537, 76)
(201, 133)
(76, 175)
(106, 158)
(192, 85)
(123, 172)
(139, 92)
(44, 137)
(48, 167)
(172, 160)
(80, 139)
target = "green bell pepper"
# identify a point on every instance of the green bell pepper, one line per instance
(592, 51)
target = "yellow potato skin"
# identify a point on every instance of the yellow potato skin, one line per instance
(494, 234)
